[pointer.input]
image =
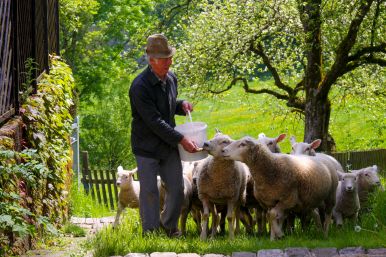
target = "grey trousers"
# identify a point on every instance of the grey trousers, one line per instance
(170, 171)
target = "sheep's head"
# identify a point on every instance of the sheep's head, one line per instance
(125, 177)
(349, 181)
(272, 142)
(299, 148)
(216, 144)
(369, 177)
(238, 150)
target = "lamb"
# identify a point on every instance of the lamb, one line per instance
(347, 199)
(368, 181)
(187, 202)
(285, 182)
(309, 149)
(129, 191)
(220, 182)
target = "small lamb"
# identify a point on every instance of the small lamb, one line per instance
(368, 181)
(347, 199)
(128, 195)
(129, 191)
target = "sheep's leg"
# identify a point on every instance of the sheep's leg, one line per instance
(237, 220)
(183, 218)
(327, 223)
(318, 221)
(230, 218)
(196, 214)
(276, 218)
(205, 218)
(215, 220)
(119, 211)
(338, 219)
(261, 221)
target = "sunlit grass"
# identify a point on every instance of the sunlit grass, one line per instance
(127, 238)
(82, 204)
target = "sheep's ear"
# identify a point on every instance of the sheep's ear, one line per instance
(293, 140)
(280, 137)
(217, 130)
(261, 135)
(316, 143)
(249, 141)
(120, 168)
(375, 168)
(340, 174)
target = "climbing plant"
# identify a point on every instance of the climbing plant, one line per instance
(34, 183)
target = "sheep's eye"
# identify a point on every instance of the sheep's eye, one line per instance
(241, 144)
(270, 143)
(366, 174)
(225, 142)
(307, 149)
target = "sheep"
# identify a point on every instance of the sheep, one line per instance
(128, 195)
(220, 182)
(129, 192)
(272, 142)
(251, 201)
(187, 202)
(368, 181)
(285, 182)
(309, 149)
(347, 199)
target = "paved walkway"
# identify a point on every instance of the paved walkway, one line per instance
(94, 224)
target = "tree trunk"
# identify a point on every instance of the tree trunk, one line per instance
(317, 120)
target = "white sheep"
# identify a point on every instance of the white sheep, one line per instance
(272, 142)
(347, 199)
(368, 181)
(220, 182)
(129, 191)
(187, 202)
(285, 182)
(299, 148)
(128, 195)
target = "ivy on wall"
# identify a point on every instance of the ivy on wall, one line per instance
(34, 183)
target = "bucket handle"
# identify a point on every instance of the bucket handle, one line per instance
(189, 115)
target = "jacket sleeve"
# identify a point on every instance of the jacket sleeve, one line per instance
(147, 110)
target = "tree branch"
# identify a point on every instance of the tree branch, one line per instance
(344, 48)
(259, 51)
(292, 101)
(381, 48)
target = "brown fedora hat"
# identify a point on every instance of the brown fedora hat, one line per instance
(158, 47)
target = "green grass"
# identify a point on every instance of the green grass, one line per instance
(82, 204)
(128, 237)
(73, 230)
(238, 114)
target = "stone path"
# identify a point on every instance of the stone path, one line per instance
(94, 224)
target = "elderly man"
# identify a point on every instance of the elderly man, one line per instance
(153, 99)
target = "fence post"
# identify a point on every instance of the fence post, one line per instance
(86, 179)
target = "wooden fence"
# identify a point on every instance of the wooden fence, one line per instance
(101, 183)
(29, 29)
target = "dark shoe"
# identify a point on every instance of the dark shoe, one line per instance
(172, 233)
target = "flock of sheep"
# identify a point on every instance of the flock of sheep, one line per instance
(250, 176)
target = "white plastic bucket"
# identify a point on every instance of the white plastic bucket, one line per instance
(195, 131)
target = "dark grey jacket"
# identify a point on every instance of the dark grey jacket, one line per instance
(153, 109)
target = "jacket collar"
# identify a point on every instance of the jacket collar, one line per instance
(153, 79)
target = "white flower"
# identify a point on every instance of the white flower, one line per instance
(357, 228)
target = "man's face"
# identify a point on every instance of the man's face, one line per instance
(160, 66)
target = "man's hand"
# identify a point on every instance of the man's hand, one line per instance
(189, 145)
(186, 106)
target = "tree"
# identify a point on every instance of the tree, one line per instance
(308, 47)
